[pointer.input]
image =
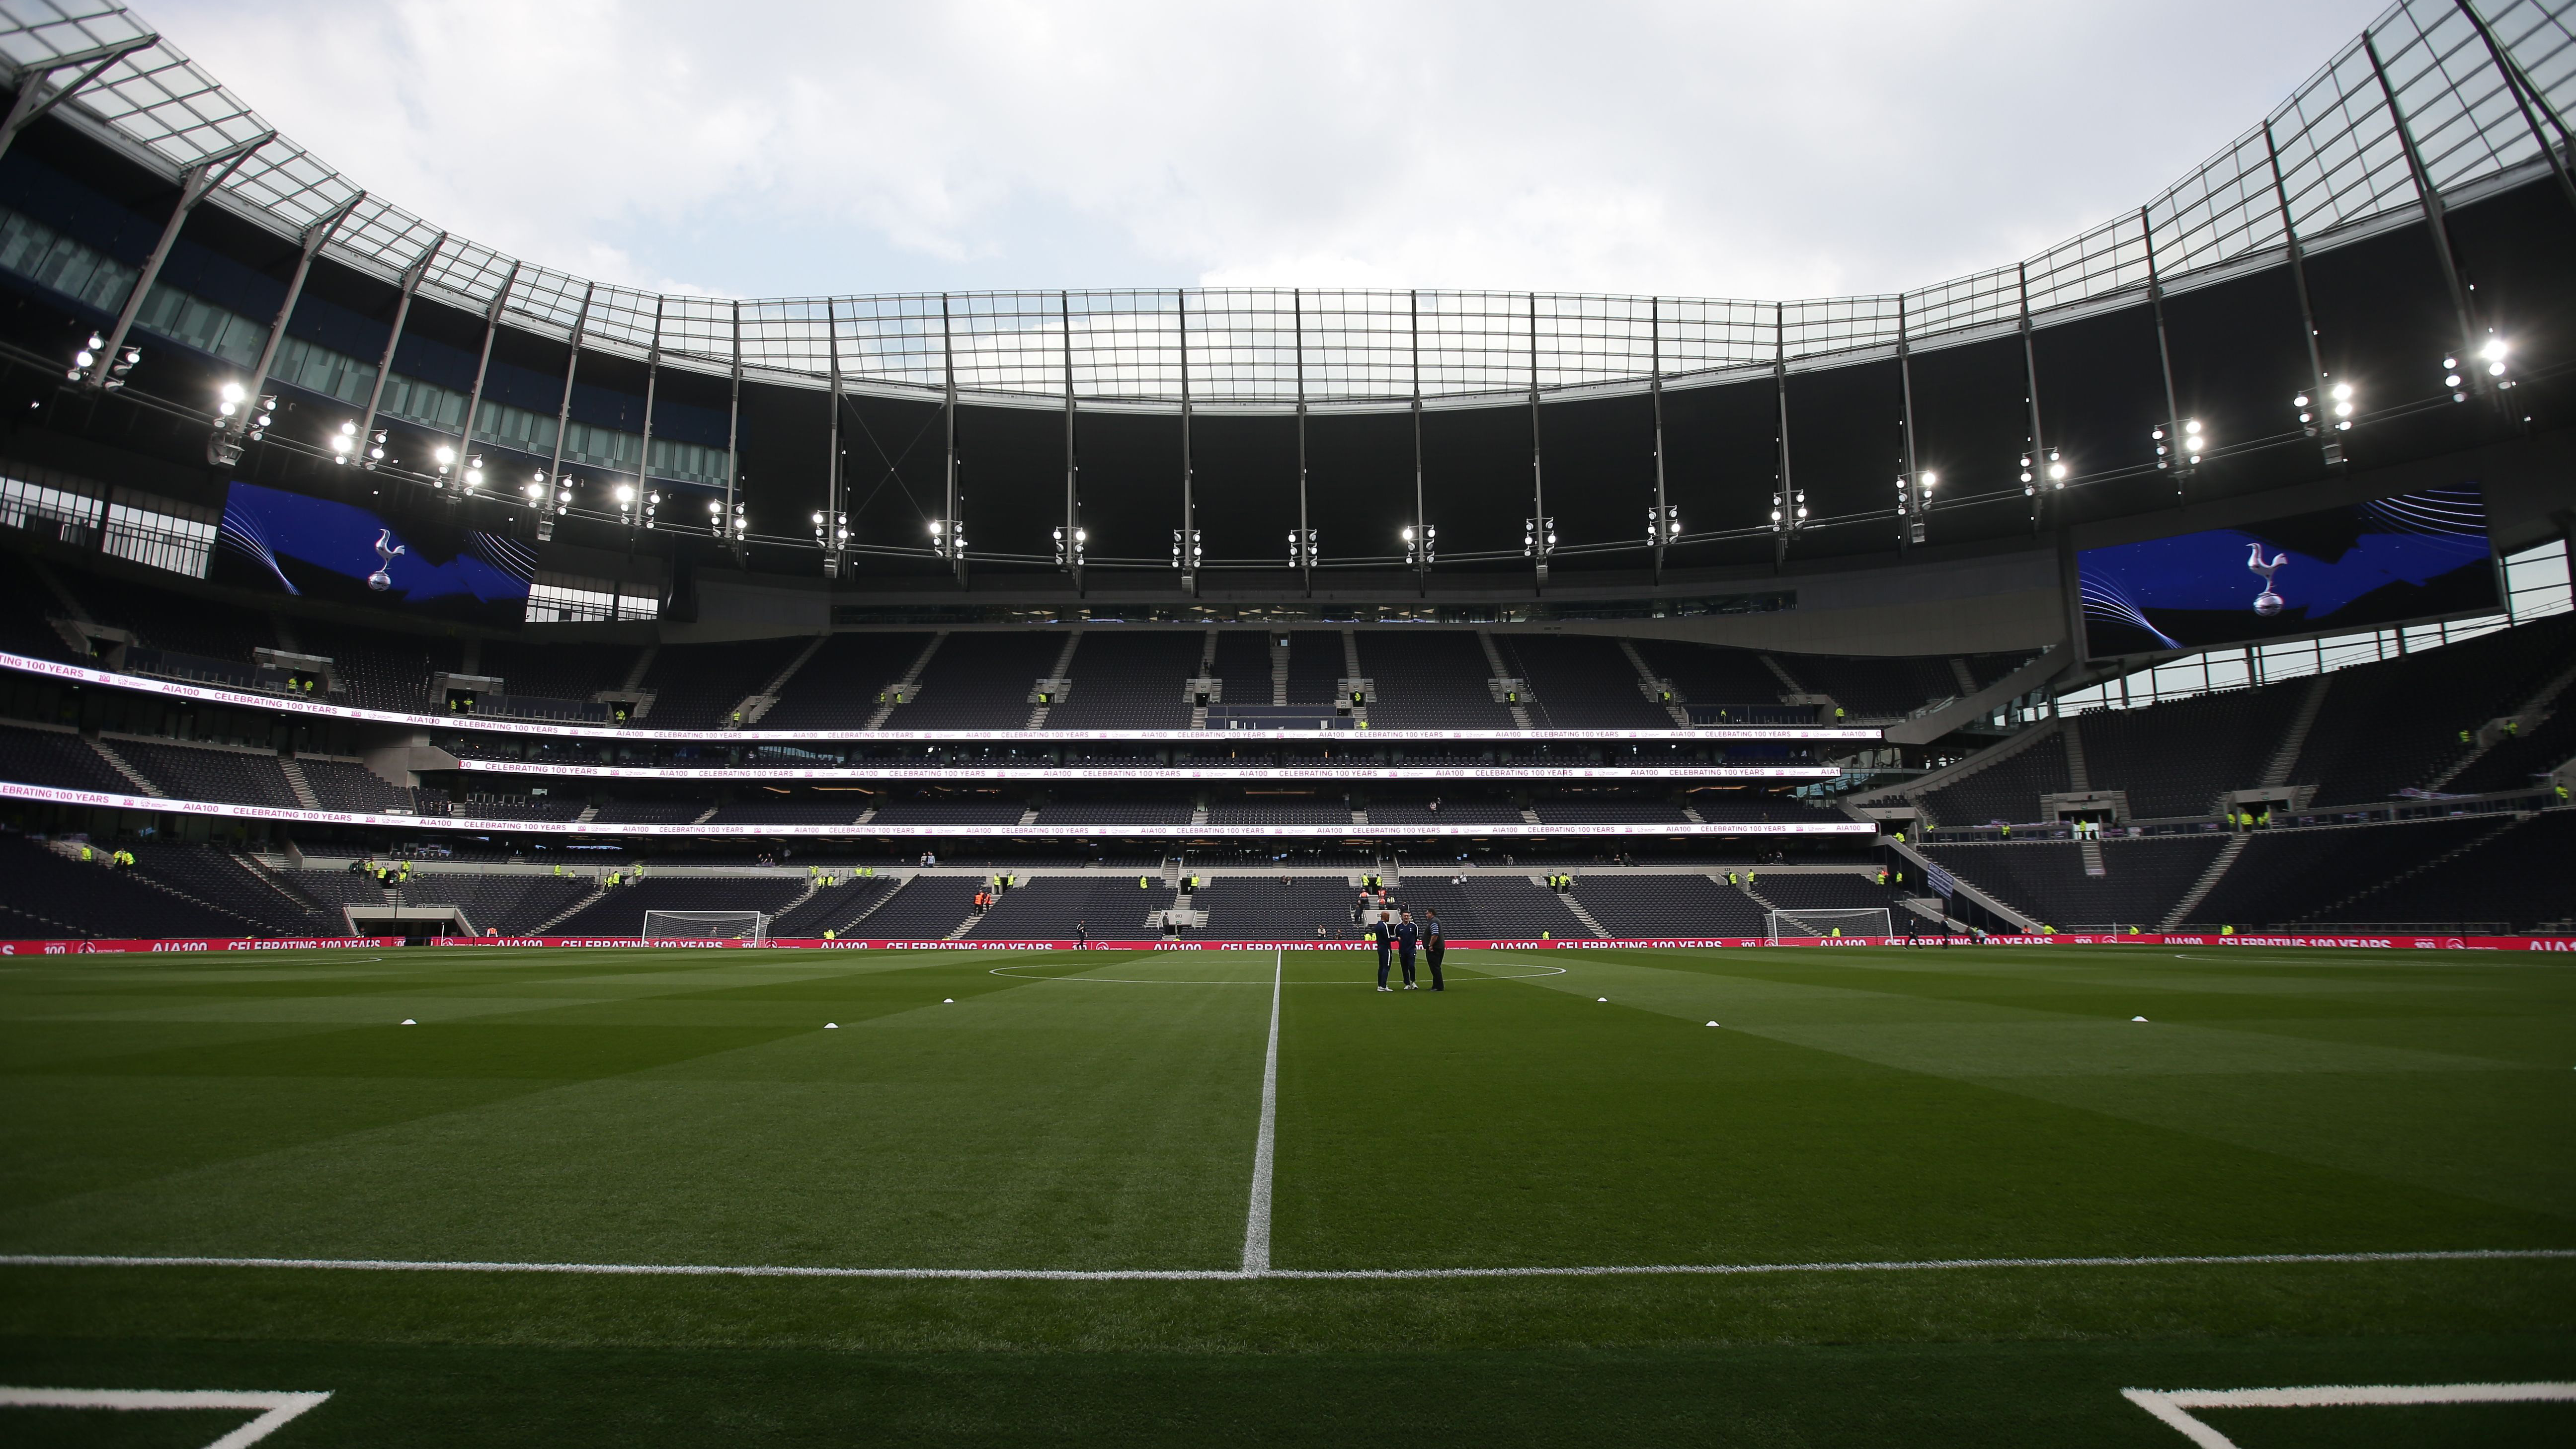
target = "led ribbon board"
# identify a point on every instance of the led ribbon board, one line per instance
(50, 795)
(243, 699)
(1155, 772)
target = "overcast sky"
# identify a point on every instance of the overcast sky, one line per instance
(792, 147)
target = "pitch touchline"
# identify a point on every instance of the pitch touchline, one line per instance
(1326, 1275)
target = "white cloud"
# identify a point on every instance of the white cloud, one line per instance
(770, 146)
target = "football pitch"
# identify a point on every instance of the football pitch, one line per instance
(1744, 1197)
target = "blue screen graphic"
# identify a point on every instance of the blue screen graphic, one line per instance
(340, 553)
(2365, 566)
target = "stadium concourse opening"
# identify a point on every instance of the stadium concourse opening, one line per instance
(561, 880)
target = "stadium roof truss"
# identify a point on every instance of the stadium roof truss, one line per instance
(2479, 93)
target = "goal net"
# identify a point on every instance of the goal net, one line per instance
(752, 926)
(1844, 921)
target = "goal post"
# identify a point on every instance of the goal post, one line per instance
(1842, 921)
(751, 926)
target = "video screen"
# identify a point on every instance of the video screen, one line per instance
(2363, 566)
(338, 552)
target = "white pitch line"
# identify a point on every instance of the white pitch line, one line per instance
(275, 1409)
(1326, 1275)
(2173, 1406)
(1256, 1220)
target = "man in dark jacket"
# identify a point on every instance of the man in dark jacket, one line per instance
(1407, 935)
(1385, 939)
(1434, 946)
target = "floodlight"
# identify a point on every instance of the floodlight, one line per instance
(534, 490)
(714, 507)
(625, 493)
(2495, 349)
(445, 455)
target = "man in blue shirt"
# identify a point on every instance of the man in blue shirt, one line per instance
(1406, 935)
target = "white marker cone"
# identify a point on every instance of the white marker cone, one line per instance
(407, 1021)
(831, 1026)
(948, 1001)
(1601, 998)
(1712, 1023)
(2137, 1018)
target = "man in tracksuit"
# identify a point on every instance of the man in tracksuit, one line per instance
(1385, 939)
(1434, 946)
(1406, 935)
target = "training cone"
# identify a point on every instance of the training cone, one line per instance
(1712, 1023)
(2137, 1018)
(1601, 998)
(831, 1026)
(407, 1021)
(948, 1001)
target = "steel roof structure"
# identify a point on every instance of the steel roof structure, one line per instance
(2437, 98)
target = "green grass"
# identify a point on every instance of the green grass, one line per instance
(977, 1111)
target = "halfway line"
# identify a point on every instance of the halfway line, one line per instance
(1329, 1275)
(1256, 1221)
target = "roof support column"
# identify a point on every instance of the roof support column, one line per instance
(836, 522)
(1913, 493)
(1421, 526)
(2435, 221)
(1186, 553)
(1659, 525)
(1073, 540)
(198, 183)
(1302, 551)
(956, 517)
(412, 277)
(474, 397)
(652, 376)
(1542, 528)
(734, 526)
(2315, 414)
(314, 235)
(572, 370)
(2039, 472)
(2528, 99)
(2169, 453)
(35, 99)
(1786, 504)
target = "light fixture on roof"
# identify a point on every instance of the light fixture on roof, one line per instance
(86, 357)
(1423, 551)
(1789, 510)
(1070, 546)
(2186, 442)
(344, 443)
(1538, 540)
(1664, 524)
(239, 419)
(1301, 548)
